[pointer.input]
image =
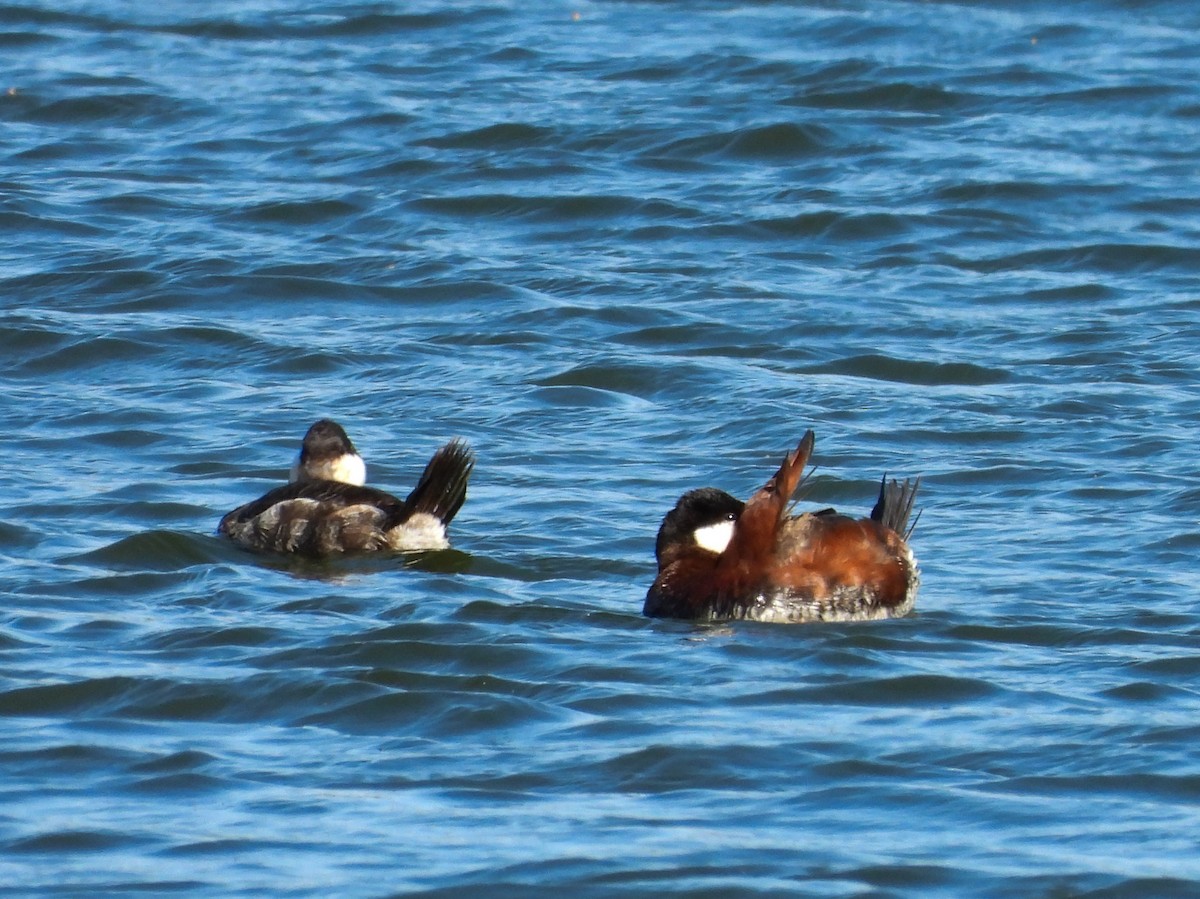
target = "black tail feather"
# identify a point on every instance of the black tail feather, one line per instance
(442, 488)
(895, 505)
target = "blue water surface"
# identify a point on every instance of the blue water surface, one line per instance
(624, 249)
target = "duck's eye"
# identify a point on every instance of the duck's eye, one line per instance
(731, 516)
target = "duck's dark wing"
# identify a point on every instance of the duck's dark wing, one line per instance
(332, 494)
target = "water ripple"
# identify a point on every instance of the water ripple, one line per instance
(625, 251)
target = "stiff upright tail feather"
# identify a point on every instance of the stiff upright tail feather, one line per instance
(754, 533)
(895, 505)
(442, 488)
(785, 481)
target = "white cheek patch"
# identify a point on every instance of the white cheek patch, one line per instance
(349, 469)
(715, 537)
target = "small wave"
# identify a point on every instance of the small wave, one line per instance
(444, 713)
(903, 371)
(300, 26)
(300, 212)
(505, 135)
(154, 551)
(912, 879)
(148, 108)
(998, 192)
(89, 352)
(1145, 692)
(896, 96)
(665, 768)
(18, 537)
(907, 690)
(1112, 258)
(1172, 787)
(632, 380)
(778, 141)
(73, 841)
(212, 637)
(552, 208)
(836, 225)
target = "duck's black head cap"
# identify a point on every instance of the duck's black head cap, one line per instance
(326, 439)
(696, 509)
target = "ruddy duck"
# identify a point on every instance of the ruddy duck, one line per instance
(326, 508)
(720, 558)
